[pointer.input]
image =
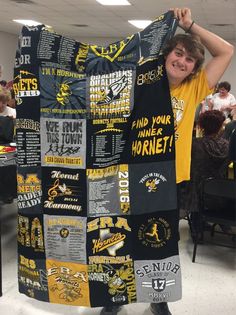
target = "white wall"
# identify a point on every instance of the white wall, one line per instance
(9, 44)
(7, 54)
(230, 73)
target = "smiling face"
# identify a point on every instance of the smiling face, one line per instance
(179, 65)
(223, 92)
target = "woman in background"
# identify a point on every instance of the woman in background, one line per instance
(223, 100)
(209, 158)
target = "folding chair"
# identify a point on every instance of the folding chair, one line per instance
(218, 207)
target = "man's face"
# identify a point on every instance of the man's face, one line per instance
(179, 65)
(223, 92)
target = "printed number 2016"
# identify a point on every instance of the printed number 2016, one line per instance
(124, 186)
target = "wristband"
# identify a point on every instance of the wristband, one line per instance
(189, 29)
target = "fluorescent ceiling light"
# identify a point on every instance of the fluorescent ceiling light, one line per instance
(28, 22)
(140, 23)
(114, 2)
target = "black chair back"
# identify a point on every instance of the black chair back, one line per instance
(218, 207)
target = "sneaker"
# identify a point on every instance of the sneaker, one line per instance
(110, 310)
(160, 308)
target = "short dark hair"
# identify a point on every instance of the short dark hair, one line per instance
(193, 46)
(211, 122)
(224, 84)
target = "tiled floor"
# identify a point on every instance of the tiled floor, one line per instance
(209, 285)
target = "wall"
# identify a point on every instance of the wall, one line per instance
(8, 48)
(9, 44)
(230, 73)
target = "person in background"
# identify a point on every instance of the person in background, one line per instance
(7, 173)
(223, 100)
(230, 126)
(5, 110)
(205, 104)
(12, 101)
(189, 85)
(232, 152)
(201, 108)
(209, 158)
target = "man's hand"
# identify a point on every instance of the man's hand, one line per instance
(183, 16)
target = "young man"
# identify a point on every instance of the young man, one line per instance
(189, 85)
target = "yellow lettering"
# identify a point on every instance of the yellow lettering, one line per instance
(106, 222)
(151, 146)
(122, 222)
(32, 178)
(93, 225)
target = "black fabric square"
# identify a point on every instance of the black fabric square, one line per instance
(32, 277)
(154, 235)
(151, 125)
(109, 239)
(29, 188)
(64, 191)
(113, 283)
(152, 187)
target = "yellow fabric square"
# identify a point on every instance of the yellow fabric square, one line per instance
(67, 283)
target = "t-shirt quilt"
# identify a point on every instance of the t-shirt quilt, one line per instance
(97, 218)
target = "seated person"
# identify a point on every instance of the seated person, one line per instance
(12, 102)
(205, 104)
(209, 158)
(7, 173)
(7, 117)
(232, 151)
(230, 126)
(5, 110)
(223, 100)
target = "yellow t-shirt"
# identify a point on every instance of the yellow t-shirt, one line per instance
(185, 98)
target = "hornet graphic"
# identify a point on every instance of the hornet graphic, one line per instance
(113, 91)
(63, 93)
(152, 184)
